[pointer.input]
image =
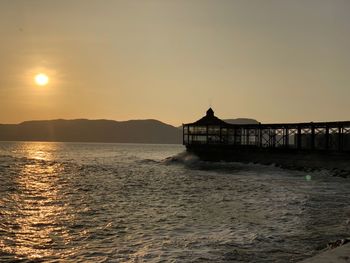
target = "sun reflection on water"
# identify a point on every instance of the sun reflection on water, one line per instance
(41, 151)
(35, 219)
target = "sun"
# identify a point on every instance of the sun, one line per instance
(41, 79)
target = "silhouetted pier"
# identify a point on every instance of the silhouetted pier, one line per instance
(211, 131)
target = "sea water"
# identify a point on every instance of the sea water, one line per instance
(88, 202)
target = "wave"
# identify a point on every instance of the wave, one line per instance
(182, 158)
(148, 161)
(192, 161)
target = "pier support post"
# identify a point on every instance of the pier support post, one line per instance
(188, 134)
(327, 138)
(340, 139)
(183, 134)
(207, 130)
(299, 138)
(234, 136)
(260, 138)
(273, 137)
(312, 136)
(247, 137)
(260, 135)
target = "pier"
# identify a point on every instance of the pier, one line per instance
(210, 131)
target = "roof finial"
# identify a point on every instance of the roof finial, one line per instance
(210, 112)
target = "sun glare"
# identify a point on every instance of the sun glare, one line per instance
(41, 79)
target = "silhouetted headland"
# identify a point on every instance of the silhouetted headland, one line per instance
(293, 145)
(82, 130)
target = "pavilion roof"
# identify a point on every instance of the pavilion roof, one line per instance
(210, 119)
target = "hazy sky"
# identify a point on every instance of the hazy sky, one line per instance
(276, 61)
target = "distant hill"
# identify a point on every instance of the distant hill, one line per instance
(241, 121)
(81, 130)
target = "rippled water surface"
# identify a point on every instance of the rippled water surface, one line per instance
(153, 203)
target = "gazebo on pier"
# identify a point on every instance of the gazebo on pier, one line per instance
(313, 136)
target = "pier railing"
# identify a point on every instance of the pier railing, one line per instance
(316, 136)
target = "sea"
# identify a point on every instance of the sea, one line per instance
(94, 202)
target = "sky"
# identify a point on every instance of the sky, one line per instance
(272, 60)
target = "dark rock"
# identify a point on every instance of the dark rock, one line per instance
(338, 243)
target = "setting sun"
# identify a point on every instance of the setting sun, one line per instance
(41, 79)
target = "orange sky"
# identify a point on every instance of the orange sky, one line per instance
(276, 61)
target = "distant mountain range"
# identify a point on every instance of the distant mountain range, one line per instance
(82, 130)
